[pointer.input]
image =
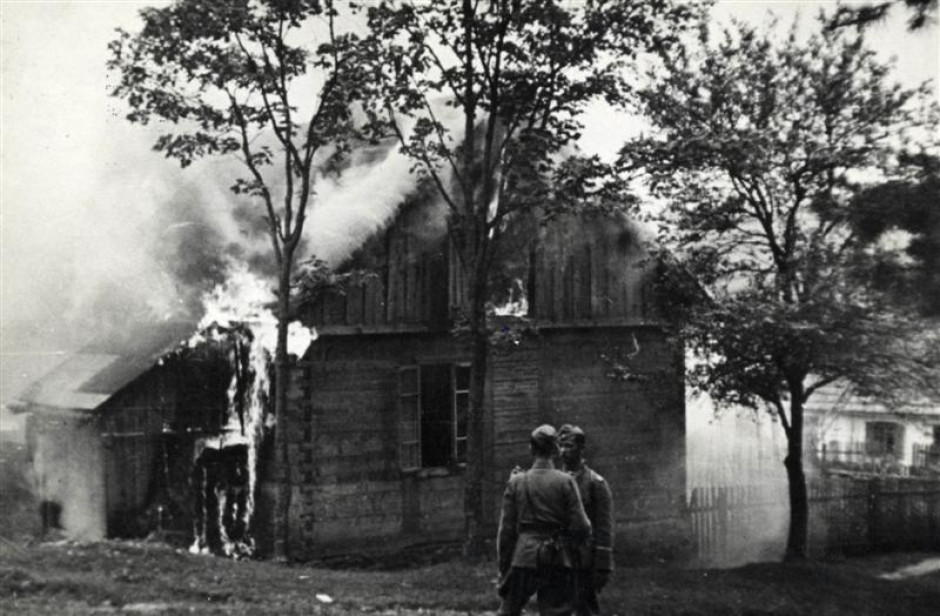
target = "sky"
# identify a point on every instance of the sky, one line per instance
(85, 226)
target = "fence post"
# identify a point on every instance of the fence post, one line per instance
(690, 505)
(873, 525)
(933, 513)
(724, 522)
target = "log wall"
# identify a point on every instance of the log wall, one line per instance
(352, 491)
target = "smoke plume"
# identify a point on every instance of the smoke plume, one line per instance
(155, 239)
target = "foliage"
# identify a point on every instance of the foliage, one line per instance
(519, 75)
(762, 147)
(904, 208)
(223, 76)
(922, 13)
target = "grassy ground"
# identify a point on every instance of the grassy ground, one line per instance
(121, 577)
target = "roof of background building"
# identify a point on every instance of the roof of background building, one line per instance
(839, 398)
(87, 378)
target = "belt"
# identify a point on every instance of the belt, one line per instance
(540, 529)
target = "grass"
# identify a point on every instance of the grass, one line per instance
(126, 577)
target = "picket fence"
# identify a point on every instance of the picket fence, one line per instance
(736, 524)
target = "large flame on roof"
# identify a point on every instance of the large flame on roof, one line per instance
(245, 298)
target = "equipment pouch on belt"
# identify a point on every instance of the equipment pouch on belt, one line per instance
(552, 552)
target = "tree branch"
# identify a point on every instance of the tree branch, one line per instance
(425, 159)
(818, 385)
(782, 414)
(273, 225)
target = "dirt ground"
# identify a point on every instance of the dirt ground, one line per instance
(144, 578)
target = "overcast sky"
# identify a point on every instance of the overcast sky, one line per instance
(82, 192)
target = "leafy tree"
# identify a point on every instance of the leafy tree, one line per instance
(518, 75)
(761, 145)
(227, 78)
(910, 203)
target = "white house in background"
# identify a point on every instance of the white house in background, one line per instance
(848, 431)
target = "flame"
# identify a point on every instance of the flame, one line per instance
(244, 298)
(239, 308)
(246, 418)
(517, 305)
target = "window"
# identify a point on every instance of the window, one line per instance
(434, 400)
(883, 438)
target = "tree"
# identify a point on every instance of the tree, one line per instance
(519, 75)
(761, 144)
(922, 13)
(226, 77)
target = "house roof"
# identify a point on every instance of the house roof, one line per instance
(839, 397)
(87, 378)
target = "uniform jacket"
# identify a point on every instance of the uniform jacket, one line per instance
(552, 503)
(598, 504)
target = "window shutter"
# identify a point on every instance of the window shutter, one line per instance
(461, 389)
(409, 417)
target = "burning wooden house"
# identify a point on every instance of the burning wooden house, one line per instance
(378, 407)
(125, 443)
(154, 430)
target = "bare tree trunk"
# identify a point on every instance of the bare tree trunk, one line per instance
(799, 503)
(282, 371)
(472, 241)
(475, 519)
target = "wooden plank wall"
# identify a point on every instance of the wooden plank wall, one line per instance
(514, 388)
(514, 391)
(344, 443)
(345, 435)
(457, 283)
(589, 275)
(635, 428)
(131, 424)
(585, 272)
(407, 286)
(342, 452)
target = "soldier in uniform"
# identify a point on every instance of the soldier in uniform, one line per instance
(596, 556)
(541, 526)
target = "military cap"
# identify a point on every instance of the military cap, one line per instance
(545, 437)
(573, 433)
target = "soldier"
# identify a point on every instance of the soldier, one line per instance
(596, 556)
(541, 515)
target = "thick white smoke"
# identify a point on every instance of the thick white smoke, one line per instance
(101, 234)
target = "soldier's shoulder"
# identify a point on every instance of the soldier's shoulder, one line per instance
(516, 476)
(566, 478)
(594, 475)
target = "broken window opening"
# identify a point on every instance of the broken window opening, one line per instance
(434, 400)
